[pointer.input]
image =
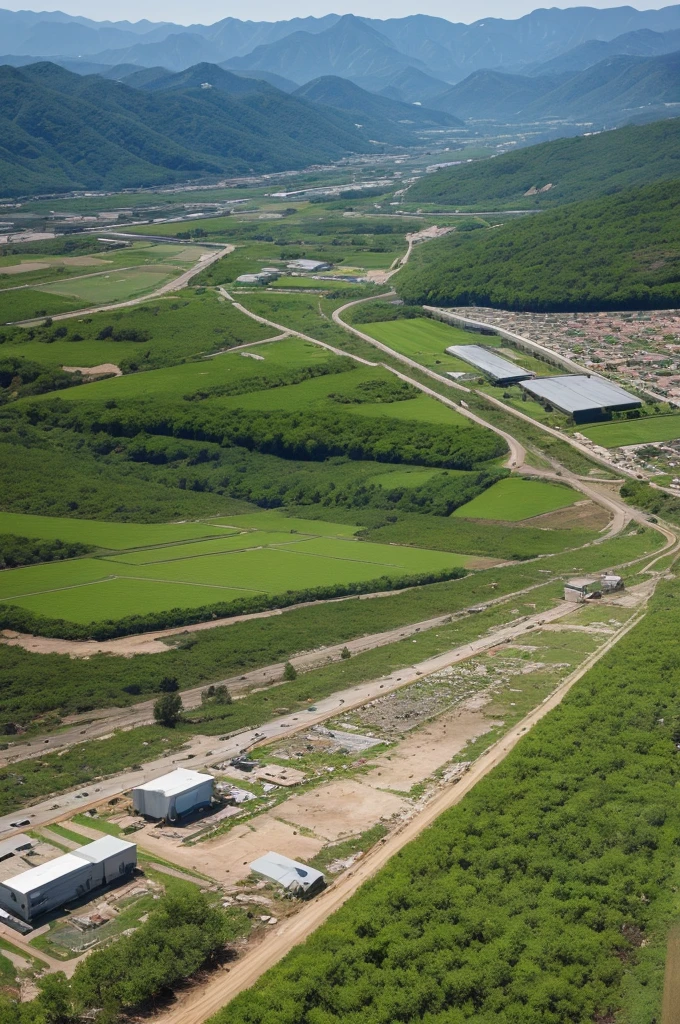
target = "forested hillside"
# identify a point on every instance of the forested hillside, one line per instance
(618, 252)
(61, 131)
(544, 897)
(579, 168)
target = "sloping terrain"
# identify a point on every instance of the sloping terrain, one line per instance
(614, 252)
(382, 117)
(63, 131)
(489, 94)
(577, 169)
(643, 43)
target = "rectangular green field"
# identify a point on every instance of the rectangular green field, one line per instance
(411, 560)
(414, 477)
(423, 409)
(514, 499)
(175, 552)
(423, 340)
(279, 521)
(49, 576)
(646, 430)
(116, 536)
(116, 287)
(120, 597)
(30, 304)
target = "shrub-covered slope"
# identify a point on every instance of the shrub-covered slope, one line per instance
(617, 252)
(579, 168)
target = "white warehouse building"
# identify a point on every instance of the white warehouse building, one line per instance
(51, 885)
(174, 795)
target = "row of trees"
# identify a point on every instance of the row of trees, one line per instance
(16, 551)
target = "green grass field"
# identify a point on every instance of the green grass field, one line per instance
(28, 304)
(294, 555)
(116, 536)
(414, 477)
(114, 287)
(422, 408)
(423, 340)
(514, 499)
(645, 430)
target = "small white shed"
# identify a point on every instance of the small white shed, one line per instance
(296, 878)
(174, 795)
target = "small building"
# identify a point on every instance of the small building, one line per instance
(309, 266)
(579, 590)
(586, 398)
(70, 877)
(295, 878)
(174, 795)
(15, 844)
(263, 277)
(500, 371)
(610, 583)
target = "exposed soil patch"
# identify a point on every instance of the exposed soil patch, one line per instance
(341, 808)
(24, 268)
(103, 369)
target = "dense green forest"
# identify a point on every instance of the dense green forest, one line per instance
(617, 252)
(579, 168)
(542, 897)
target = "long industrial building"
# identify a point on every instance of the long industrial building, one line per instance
(584, 397)
(500, 371)
(70, 877)
(174, 795)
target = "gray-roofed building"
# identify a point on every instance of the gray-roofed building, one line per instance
(174, 795)
(70, 877)
(294, 877)
(15, 844)
(584, 397)
(501, 371)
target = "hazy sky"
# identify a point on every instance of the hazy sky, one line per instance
(208, 11)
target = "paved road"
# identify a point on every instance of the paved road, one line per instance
(201, 1002)
(203, 750)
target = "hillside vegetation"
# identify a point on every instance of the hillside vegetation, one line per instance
(544, 897)
(579, 168)
(617, 252)
(62, 131)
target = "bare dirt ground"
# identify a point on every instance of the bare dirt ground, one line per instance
(341, 808)
(670, 1010)
(426, 750)
(95, 371)
(585, 514)
(24, 268)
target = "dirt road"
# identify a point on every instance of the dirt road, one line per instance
(204, 750)
(670, 1010)
(196, 1005)
(171, 286)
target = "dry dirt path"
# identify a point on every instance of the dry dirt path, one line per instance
(198, 1004)
(205, 750)
(95, 725)
(670, 1010)
(170, 286)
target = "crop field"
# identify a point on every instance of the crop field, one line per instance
(27, 303)
(645, 430)
(514, 499)
(296, 555)
(414, 477)
(423, 408)
(111, 536)
(114, 287)
(278, 521)
(423, 340)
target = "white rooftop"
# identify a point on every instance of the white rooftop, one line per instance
(43, 874)
(178, 781)
(285, 871)
(102, 849)
(91, 853)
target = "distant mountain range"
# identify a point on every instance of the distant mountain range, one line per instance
(61, 131)
(349, 46)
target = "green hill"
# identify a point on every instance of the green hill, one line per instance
(61, 131)
(578, 168)
(380, 117)
(615, 252)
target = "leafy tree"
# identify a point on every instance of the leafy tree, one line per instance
(345, 653)
(168, 684)
(167, 710)
(289, 672)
